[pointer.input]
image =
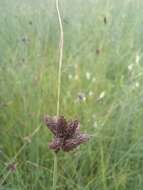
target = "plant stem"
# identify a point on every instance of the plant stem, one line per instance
(61, 44)
(55, 171)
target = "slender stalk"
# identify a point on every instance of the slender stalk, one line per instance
(55, 172)
(61, 44)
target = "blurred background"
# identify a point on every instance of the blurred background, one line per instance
(102, 79)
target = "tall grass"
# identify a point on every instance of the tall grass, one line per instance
(113, 112)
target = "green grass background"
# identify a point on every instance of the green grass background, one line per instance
(29, 37)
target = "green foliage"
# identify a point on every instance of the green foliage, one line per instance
(103, 61)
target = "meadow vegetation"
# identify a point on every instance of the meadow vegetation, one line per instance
(101, 86)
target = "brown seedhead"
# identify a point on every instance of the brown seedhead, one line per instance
(67, 134)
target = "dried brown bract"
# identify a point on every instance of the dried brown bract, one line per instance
(67, 135)
(12, 167)
(98, 51)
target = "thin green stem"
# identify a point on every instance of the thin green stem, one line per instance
(55, 171)
(61, 44)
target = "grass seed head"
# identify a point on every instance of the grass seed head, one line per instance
(67, 135)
